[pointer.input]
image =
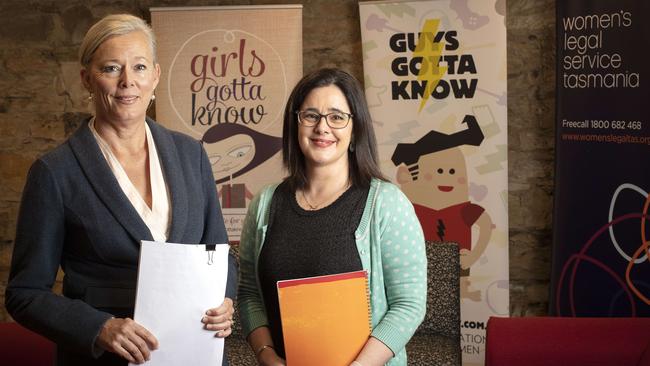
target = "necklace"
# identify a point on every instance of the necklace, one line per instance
(311, 207)
(316, 206)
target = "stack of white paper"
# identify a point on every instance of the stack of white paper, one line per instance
(177, 283)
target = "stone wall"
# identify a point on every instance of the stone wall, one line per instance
(42, 100)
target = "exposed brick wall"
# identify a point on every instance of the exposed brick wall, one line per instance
(42, 100)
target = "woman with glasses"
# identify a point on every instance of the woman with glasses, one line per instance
(333, 213)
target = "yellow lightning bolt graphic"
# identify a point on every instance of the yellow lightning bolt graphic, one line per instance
(430, 52)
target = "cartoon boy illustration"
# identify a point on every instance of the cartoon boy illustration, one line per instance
(234, 149)
(433, 175)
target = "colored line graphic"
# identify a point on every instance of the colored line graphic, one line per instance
(611, 213)
(633, 262)
(626, 284)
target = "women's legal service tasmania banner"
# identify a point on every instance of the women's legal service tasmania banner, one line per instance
(226, 75)
(600, 255)
(435, 78)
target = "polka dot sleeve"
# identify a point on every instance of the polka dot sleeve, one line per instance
(404, 267)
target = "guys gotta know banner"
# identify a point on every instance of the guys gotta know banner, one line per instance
(226, 75)
(435, 78)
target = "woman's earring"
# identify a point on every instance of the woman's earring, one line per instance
(153, 97)
(90, 97)
(351, 146)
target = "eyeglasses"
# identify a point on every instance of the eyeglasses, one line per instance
(334, 120)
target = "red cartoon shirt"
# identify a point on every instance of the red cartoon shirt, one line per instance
(453, 223)
(234, 195)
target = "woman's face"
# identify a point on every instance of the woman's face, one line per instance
(122, 77)
(321, 144)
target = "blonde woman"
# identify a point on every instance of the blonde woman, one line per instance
(119, 179)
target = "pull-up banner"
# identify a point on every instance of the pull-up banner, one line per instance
(435, 78)
(227, 72)
(600, 255)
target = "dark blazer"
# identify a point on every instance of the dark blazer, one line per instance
(74, 215)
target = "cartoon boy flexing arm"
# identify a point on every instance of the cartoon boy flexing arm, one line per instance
(433, 175)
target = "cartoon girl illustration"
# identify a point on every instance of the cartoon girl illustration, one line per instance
(234, 149)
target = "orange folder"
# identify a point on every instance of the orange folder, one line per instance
(325, 319)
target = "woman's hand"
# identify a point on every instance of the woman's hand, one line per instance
(268, 357)
(374, 353)
(220, 319)
(128, 339)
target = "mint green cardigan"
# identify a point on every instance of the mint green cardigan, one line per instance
(391, 247)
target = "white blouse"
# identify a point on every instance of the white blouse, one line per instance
(157, 218)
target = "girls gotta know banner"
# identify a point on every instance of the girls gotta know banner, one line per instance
(226, 75)
(435, 77)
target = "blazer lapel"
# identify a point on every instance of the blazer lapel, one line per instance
(173, 171)
(105, 184)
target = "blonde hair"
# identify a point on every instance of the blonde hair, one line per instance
(111, 26)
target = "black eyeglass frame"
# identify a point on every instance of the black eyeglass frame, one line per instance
(320, 116)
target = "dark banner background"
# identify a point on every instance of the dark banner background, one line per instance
(602, 146)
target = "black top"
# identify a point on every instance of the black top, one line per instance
(301, 243)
